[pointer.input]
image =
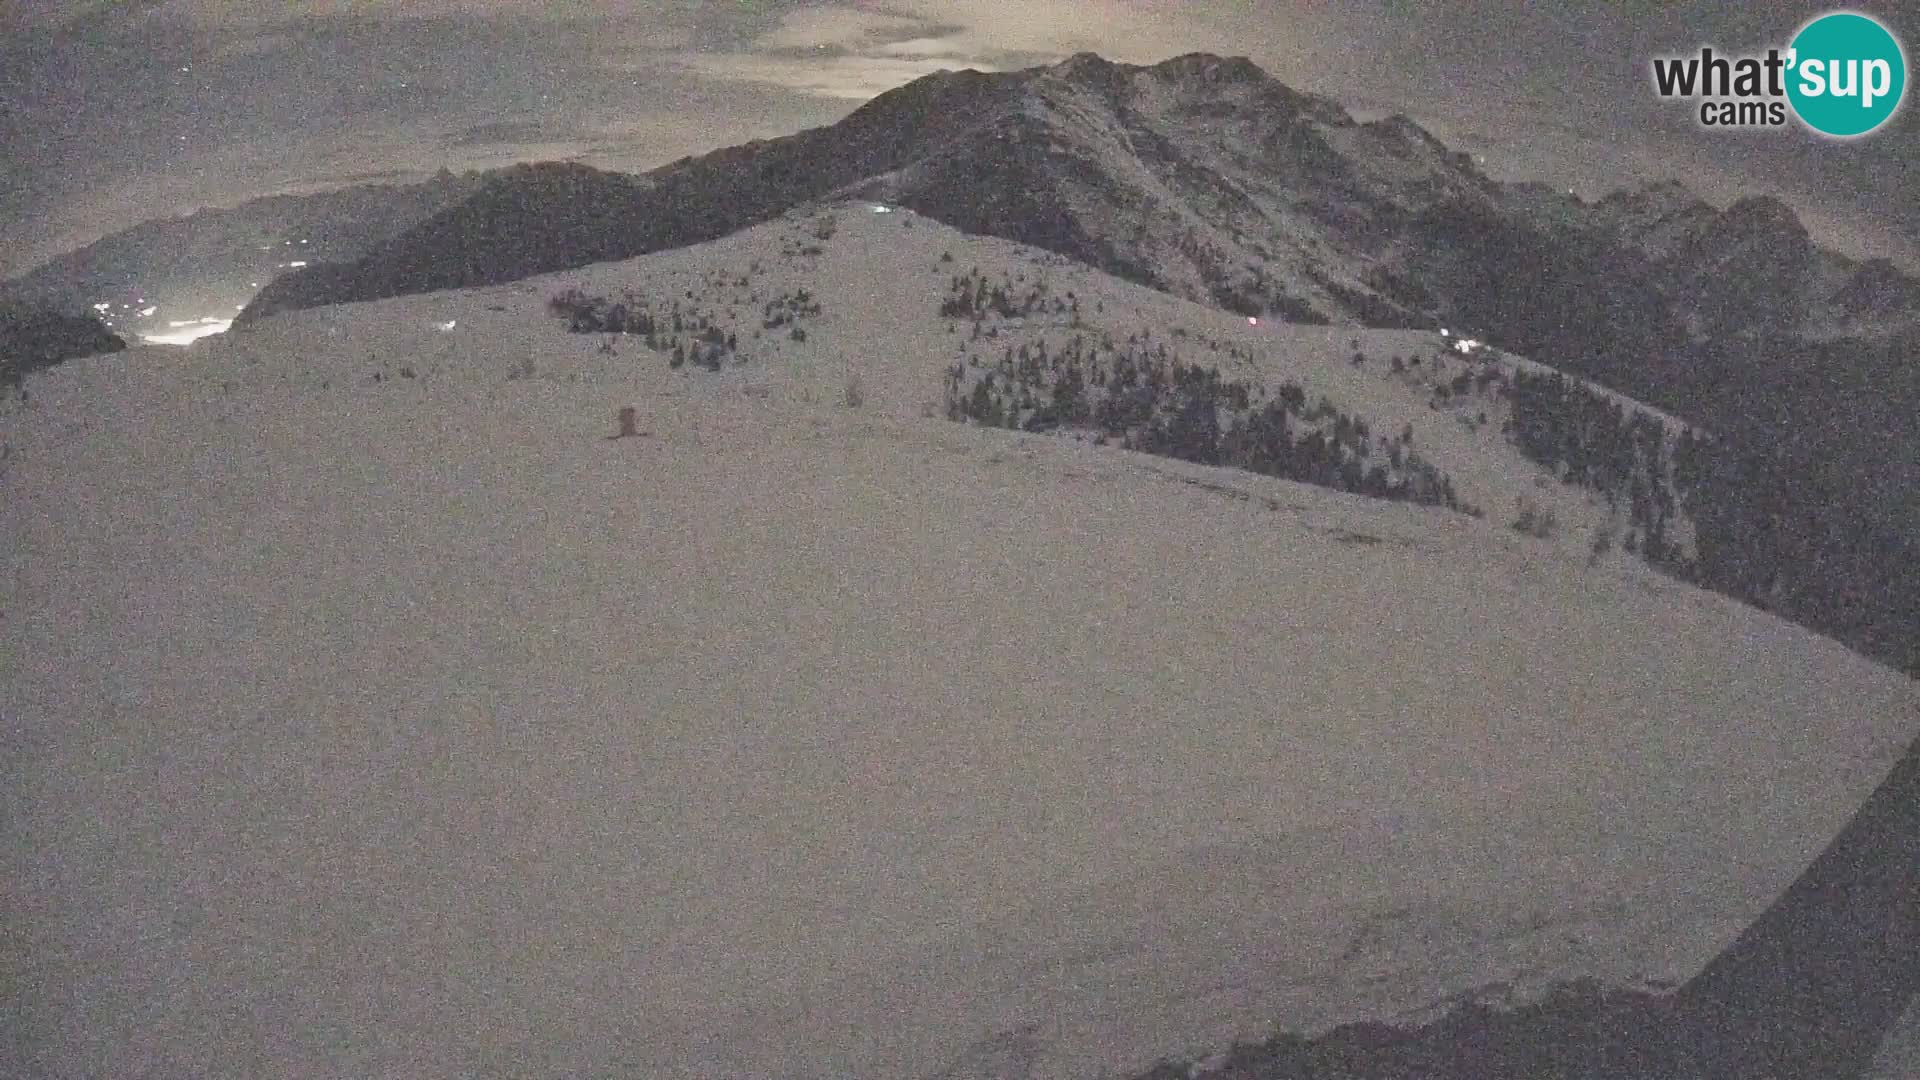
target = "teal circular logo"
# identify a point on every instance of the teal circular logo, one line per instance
(1847, 74)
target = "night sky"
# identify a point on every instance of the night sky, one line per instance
(114, 112)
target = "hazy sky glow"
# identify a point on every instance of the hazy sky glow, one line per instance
(111, 113)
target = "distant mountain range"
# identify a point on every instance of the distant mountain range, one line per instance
(214, 260)
(1205, 178)
(1201, 175)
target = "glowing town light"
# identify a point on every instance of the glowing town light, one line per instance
(878, 209)
(1443, 331)
(187, 335)
(1251, 321)
(298, 262)
(443, 327)
(102, 306)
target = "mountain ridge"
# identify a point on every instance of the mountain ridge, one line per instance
(1200, 174)
(34, 338)
(1206, 179)
(209, 262)
(960, 137)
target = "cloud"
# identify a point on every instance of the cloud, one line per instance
(852, 53)
(374, 176)
(56, 16)
(508, 132)
(67, 15)
(856, 51)
(837, 25)
(847, 76)
(1135, 31)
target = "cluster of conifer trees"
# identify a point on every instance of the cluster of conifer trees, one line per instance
(1145, 398)
(1592, 440)
(683, 335)
(1778, 538)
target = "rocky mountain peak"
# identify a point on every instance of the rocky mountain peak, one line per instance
(1082, 64)
(1763, 216)
(1759, 232)
(1400, 128)
(1208, 68)
(1879, 288)
(1661, 194)
(1201, 175)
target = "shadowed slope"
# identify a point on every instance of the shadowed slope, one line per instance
(1811, 989)
(538, 218)
(1814, 985)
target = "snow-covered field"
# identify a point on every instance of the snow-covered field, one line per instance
(413, 728)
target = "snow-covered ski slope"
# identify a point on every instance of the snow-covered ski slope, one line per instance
(410, 727)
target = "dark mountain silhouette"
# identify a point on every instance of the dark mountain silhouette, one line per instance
(210, 260)
(1199, 175)
(1878, 290)
(33, 338)
(534, 219)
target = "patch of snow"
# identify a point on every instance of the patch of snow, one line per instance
(799, 738)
